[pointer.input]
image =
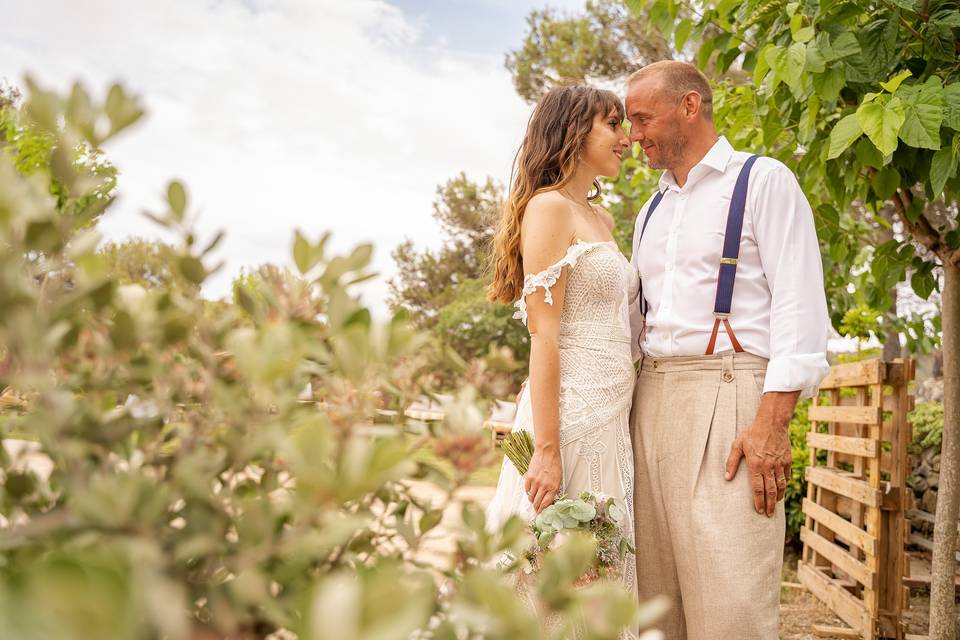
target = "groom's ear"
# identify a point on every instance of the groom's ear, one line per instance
(691, 103)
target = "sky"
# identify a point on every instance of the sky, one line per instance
(318, 115)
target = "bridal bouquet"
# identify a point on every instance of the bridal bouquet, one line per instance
(593, 514)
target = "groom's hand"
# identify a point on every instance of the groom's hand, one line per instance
(765, 445)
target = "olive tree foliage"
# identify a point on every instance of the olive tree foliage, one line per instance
(161, 475)
(443, 290)
(605, 43)
(148, 263)
(862, 100)
(428, 280)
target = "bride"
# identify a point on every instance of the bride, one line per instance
(556, 260)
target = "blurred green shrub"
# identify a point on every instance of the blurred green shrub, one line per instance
(178, 483)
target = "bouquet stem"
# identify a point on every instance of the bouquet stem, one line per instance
(518, 447)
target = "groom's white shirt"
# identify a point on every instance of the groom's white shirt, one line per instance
(779, 306)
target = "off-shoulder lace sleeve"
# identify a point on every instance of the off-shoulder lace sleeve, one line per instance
(549, 276)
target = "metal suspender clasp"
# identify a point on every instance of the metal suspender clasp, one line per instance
(718, 314)
(728, 261)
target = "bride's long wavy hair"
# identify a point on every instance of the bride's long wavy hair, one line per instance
(546, 160)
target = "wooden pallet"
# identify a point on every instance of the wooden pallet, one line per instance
(854, 530)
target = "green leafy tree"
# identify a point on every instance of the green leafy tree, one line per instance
(603, 43)
(148, 263)
(428, 280)
(862, 100)
(443, 290)
(471, 325)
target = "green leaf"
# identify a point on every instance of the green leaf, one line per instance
(881, 120)
(815, 63)
(923, 283)
(177, 197)
(867, 154)
(828, 85)
(923, 107)
(776, 57)
(681, 33)
(951, 98)
(942, 168)
(844, 46)
(795, 62)
(762, 66)
(124, 332)
(947, 18)
(843, 134)
(893, 83)
(192, 269)
(885, 182)
(808, 119)
(706, 50)
(839, 251)
(301, 253)
(804, 35)
(430, 520)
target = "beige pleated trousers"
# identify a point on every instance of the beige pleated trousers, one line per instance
(699, 540)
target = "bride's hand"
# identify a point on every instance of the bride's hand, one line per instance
(542, 480)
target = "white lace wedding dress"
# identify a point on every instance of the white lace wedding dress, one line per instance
(596, 385)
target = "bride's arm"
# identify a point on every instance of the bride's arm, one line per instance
(547, 234)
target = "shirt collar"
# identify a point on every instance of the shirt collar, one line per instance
(716, 158)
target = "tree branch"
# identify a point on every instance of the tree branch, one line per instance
(700, 15)
(903, 21)
(921, 230)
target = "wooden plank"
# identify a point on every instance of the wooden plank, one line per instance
(854, 374)
(922, 580)
(846, 530)
(838, 556)
(873, 517)
(823, 631)
(854, 489)
(807, 554)
(863, 447)
(893, 527)
(838, 599)
(851, 415)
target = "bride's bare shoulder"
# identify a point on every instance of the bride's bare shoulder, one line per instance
(547, 229)
(549, 213)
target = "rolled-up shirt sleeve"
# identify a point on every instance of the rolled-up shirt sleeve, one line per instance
(790, 256)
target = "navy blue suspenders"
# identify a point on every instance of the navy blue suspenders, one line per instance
(653, 205)
(728, 262)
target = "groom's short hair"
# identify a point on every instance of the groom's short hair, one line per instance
(677, 79)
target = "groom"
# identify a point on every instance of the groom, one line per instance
(735, 332)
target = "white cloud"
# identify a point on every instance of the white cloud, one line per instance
(278, 114)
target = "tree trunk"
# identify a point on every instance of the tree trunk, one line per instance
(942, 611)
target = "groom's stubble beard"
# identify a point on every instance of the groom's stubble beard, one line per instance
(671, 149)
